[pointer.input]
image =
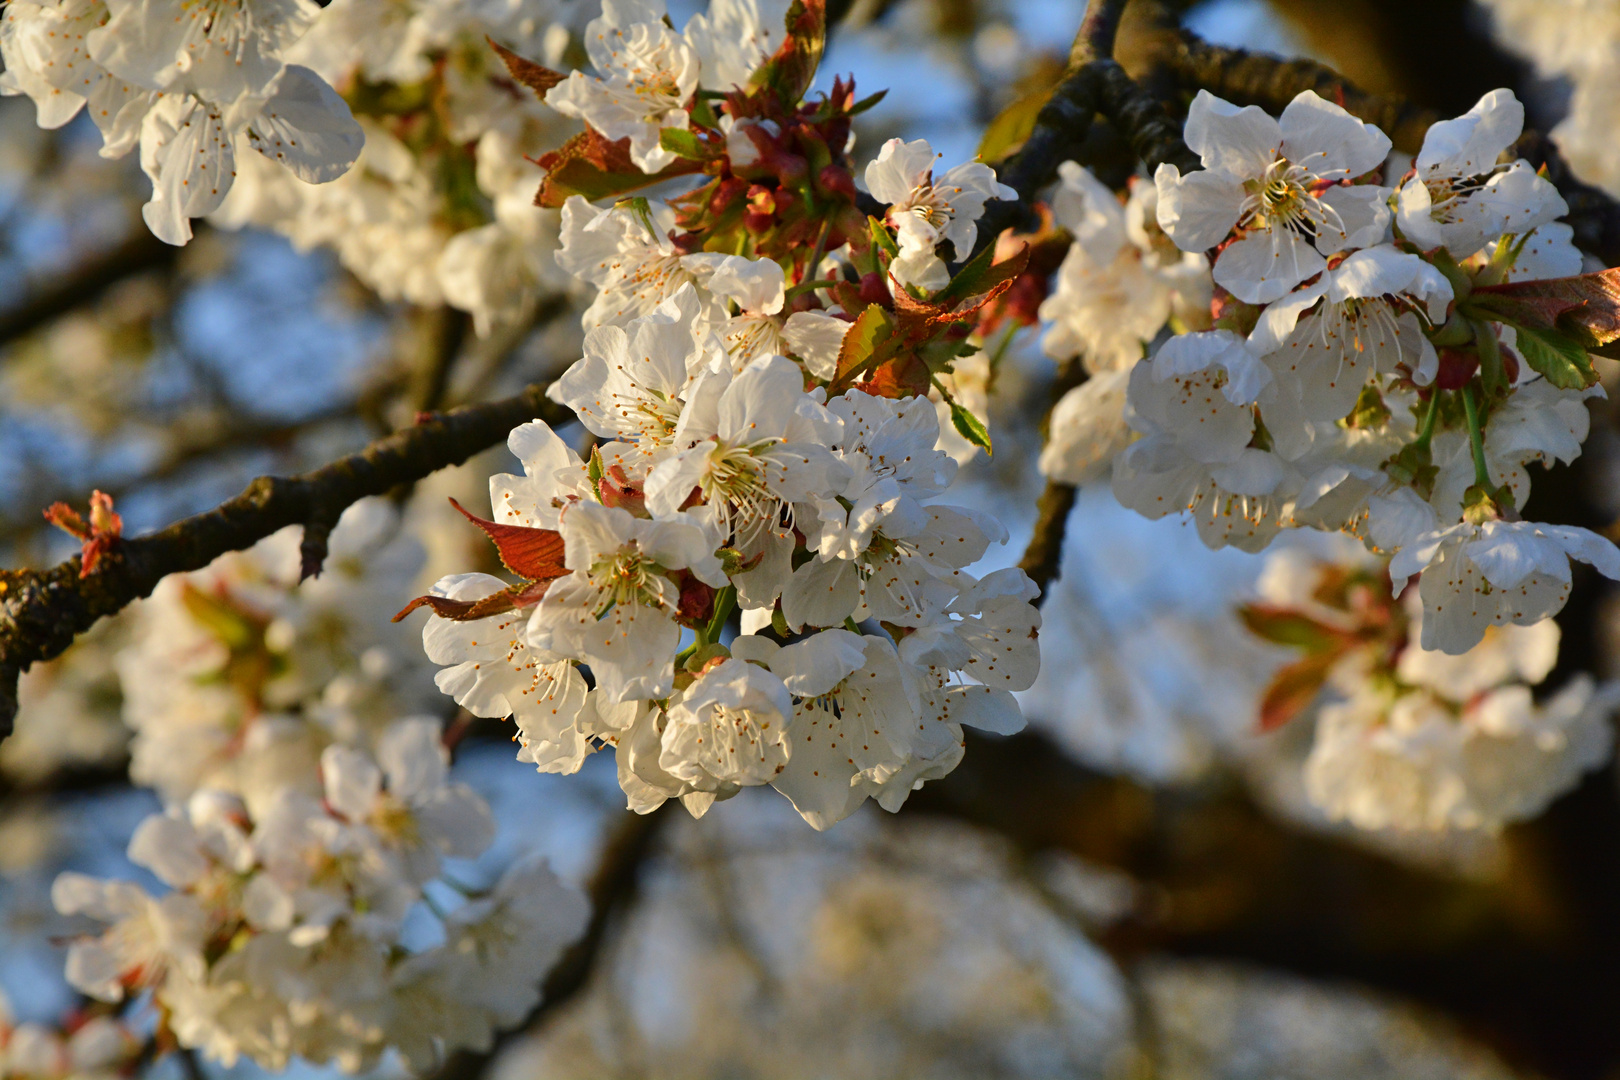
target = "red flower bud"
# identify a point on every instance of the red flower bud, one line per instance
(1457, 366)
(836, 180)
(874, 290)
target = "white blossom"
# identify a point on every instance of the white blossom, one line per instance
(1281, 183)
(646, 74)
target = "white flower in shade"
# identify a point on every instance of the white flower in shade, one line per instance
(490, 670)
(891, 450)
(1121, 280)
(646, 74)
(219, 51)
(487, 974)
(1323, 342)
(731, 724)
(616, 610)
(635, 729)
(853, 704)
(629, 384)
(1505, 654)
(146, 939)
(926, 210)
(1476, 576)
(900, 579)
(1460, 197)
(1538, 422)
(1279, 183)
(634, 267)
(406, 799)
(734, 38)
(189, 147)
(1087, 430)
(1414, 762)
(1549, 251)
(1196, 394)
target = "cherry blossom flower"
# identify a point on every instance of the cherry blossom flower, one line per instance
(730, 725)
(1460, 197)
(1121, 280)
(1281, 183)
(926, 211)
(646, 74)
(616, 609)
(633, 267)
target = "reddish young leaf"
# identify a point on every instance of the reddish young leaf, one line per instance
(98, 536)
(697, 601)
(590, 165)
(1293, 688)
(1586, 306)
(1285, 626)
(530, 74)
(535, 554)
(518, 596)
(793, 67)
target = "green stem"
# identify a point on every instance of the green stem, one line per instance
(1490, 358)
(806, 286)
(724, 601)
(1476, 438)
(1426, 435)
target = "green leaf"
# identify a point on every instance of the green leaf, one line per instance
(684, 143)
(1012, 126)
(862, 341)
(1285, 626)
(866, 103)
(1558, 357)
(881, 238)
(970, 427)
(793, 67)
(982, 274)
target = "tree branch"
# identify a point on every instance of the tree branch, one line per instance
(42, 611)
(1092, 83)
(1246, 78)
(86, 282)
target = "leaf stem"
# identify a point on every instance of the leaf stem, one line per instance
(1476, 437)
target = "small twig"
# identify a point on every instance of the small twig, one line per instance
(42, 611)
(85, 283)
(1044, 554)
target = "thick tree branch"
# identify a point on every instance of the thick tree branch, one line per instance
(42, 611)
(1092, 83)
(1044, 555)
(1246, 78)
(85, 283)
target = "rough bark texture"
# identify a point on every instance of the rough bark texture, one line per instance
(42, 611)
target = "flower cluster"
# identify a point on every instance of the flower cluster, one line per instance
(195, 86)
(238, 677)
(308, 817)
(1121, 281)
(1415, 738)
(439, 207)
(764, 442)
(87, 1048)
(281, 935)
(1385, 359)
